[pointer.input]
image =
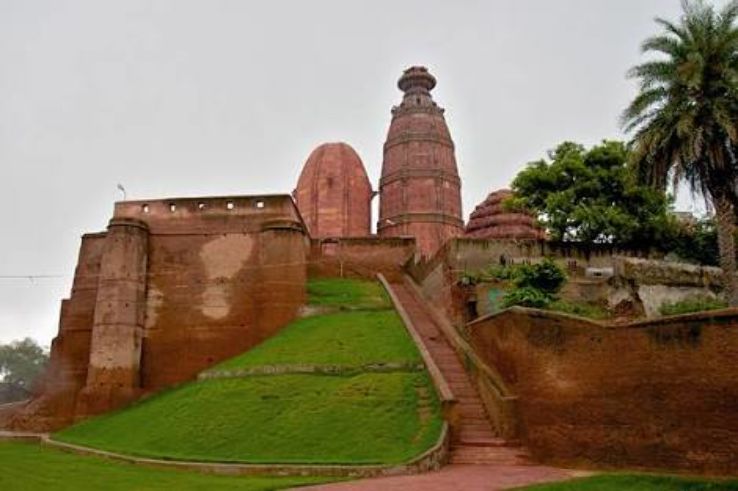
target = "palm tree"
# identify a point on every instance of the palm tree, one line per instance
(685, 117)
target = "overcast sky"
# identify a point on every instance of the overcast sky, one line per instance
(205, 98)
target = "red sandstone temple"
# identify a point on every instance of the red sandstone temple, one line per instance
(175, 285)
(491, 220)
(420, 189)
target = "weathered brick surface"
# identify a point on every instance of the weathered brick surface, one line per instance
(490, 220)
(656, 394)
(420, 189)
(173, 287)
(334, 194)
(359, 257)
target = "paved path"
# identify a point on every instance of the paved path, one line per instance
(459, 477)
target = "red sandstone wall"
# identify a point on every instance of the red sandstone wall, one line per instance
(359, 257)
(212, 297)
(210, 278)
(662, 394)
(70, 350)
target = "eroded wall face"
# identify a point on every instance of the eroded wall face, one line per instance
(213, 297)
(360, 257)
(173, 287)
(662, 394)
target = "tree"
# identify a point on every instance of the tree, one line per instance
(696, 243)
(685, 116)
(21, 362)
(591, 196)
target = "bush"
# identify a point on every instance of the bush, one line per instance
(546, 276)
(535, 285)
(693, 304)
(582, 309)
(527, 297)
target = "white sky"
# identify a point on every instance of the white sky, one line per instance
(213, 97)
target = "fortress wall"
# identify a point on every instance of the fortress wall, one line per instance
(439, 277)
(113, 374)
(656, 394)
(211, 297)
(359, 257)
(173, 287)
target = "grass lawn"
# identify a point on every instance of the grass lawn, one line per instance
(361, 418)
(368, 418)
(29, 467)
(639, 482)
(347, 294)
(346, 338)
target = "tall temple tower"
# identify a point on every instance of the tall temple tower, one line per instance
(420, 189)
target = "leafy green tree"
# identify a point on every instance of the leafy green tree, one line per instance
(591, 196)
(696, 243)
(21, 362)
(685, 117)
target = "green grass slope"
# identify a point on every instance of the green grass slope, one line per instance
(30, 467)
(344, 338)
(362, 418)
(348, 294)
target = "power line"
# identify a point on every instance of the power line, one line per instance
(32, 277)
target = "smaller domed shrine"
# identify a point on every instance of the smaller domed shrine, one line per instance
(491, 221)
(334, 194)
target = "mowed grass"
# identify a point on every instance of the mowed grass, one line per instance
(365, 419)
(30, 467)
(362, 328)
(349, 294)
(640, 482)
(356, 418)
(346, 338)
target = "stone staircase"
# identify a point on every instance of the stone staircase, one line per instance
(474, 441)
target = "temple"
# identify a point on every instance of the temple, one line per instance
(420, 189)
(491, 220)
(334, 194)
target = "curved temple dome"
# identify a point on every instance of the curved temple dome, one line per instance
(334, 194)
(491, 221)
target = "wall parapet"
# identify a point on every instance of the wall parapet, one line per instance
(651, 394)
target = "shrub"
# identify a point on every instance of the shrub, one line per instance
(582, 309)
(546, 276)
(535, 285)
(527, 297)
(693, 304)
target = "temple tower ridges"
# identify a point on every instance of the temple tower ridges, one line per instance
(420, 189)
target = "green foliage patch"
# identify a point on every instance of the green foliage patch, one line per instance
(591, 196)
(693, 304)
(30, 467)
(640, 482)
(582, 309)
(536, 285)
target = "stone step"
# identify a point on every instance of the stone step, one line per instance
(499, 455)
(475, 441)
(490, 442)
